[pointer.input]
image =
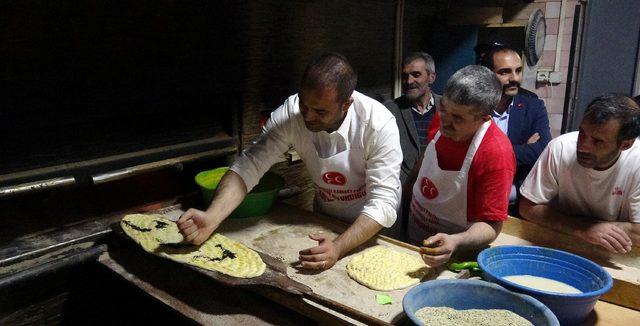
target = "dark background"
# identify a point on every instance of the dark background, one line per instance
(87, 79)
(84, 79)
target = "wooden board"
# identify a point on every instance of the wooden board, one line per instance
(279, 236)
(194, 295)
(609, 314)
(528, 231)
(624, 268)
(284, 231)
(284, 235)
(274, 274)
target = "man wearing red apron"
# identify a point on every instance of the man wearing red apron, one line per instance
(350, 146)
(460, 195)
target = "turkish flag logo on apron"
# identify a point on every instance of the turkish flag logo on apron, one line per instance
(428, 189)
(334, 178)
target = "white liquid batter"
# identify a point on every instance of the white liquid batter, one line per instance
(542, 283)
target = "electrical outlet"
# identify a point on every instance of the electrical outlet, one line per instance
(543, 75)
(555, 77)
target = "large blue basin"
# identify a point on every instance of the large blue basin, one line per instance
(474, 294)
(583, 274)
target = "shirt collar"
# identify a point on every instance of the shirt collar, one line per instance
(506, 112)
(343, 130)
(432, 102)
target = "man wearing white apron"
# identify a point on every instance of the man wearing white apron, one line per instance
(350, 146)
(460, 192)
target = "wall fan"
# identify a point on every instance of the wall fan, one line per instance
(534, 39)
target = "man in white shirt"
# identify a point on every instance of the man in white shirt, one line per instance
(350, 146)
(587, 183)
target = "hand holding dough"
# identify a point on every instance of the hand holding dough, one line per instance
(218, 253)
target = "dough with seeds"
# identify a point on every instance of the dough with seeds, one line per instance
(161, 237)
(384, 269)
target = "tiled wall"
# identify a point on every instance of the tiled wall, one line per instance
(553, 95)
(507, 13)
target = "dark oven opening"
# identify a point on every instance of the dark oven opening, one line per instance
(99, 86)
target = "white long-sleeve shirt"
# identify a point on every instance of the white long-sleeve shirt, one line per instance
(368, 126)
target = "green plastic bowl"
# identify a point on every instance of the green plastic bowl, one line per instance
(256, 203)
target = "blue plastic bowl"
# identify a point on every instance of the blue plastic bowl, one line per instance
(474, 294)
(583, 274)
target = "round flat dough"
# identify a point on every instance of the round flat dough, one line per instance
(383, 269)
(160, 236)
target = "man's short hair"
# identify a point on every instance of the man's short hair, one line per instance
(619, 107)
(487, 59)
(331, 70)
(474, 86)
(428, 60)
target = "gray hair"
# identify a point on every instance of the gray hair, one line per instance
(428, 60)
(475, 86)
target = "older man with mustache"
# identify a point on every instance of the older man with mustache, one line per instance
(413, 111)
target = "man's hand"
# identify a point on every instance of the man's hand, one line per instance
(534, 138)
(323, 256)
(438, 249)
(609, 236)
(195, 226)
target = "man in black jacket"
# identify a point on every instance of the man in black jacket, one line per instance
(523, 118)
(413, 111)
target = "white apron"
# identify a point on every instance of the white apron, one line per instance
(341, 189)
(439, 199)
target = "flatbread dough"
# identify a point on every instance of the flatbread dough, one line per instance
(159, 236)
(383, 269)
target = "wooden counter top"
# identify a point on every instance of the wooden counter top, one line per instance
(284, 231)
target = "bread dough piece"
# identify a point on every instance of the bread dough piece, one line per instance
(150, 231)
(383, 269)
(218, 253)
